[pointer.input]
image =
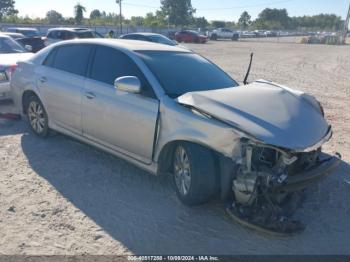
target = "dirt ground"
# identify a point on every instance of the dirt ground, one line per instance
(58, 196)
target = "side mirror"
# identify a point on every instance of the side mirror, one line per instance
(29, 48)
(175, 42)
(130, 84)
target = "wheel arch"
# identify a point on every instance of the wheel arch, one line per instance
(167, 152)
(224, 166)
(25, 98)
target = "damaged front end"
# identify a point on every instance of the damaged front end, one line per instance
(269, 183)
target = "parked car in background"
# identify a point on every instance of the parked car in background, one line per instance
(27, 37)
(10, 53)
(247, 34)
(270, 34)
(190, 36)
(37, 43)
(14, 36)
(150, 37)
(55, 35)
(26, 31)
(171, 35)
(259, 33)
(223, 33)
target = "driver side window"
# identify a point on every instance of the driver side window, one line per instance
(110, 64)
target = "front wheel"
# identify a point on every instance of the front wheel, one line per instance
(37, 117)
(194, 173)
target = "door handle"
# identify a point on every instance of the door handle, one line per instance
(43, 79)
(90, 95)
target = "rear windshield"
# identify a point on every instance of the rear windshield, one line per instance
(183, 72)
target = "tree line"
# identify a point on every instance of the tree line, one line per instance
(177, 13)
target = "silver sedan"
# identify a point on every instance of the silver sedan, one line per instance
(171, 111)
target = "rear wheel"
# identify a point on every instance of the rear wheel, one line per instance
(37, 116)
(194, 173)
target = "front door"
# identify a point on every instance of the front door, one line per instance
(122, 121)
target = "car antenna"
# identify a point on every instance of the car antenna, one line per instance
(248, 71)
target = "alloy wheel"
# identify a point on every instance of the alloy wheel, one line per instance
(182, 171)
(36, 117)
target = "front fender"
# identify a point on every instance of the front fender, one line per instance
(178, 123)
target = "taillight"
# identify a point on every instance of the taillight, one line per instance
(10, 70)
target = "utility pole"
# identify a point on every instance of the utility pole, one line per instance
(120, 15)
(346, 24)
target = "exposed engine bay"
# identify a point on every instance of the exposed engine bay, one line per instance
(269, 183)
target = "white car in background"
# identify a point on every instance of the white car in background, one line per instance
(55, 35)
(10, 53)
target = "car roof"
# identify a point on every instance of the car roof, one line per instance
(13, 34)
(145, 34)
(131, 45)
(4, 35)
(22, 28)
(70, 29)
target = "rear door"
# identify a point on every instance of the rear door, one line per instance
(119, 120)
(61, 80)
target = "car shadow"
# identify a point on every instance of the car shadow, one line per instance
(8, 126)
(143, 213)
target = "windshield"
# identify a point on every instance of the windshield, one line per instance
(8, 46)
(161, 39)
(182, 72)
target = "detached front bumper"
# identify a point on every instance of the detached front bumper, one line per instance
(300, 181)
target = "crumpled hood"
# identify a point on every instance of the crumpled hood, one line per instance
(272, 114)
(12, 59)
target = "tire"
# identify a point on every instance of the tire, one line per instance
(37, 116)
(193, 174)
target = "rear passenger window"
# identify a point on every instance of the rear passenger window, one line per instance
(72, 58)
(110, 64)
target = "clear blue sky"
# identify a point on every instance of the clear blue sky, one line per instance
(213, 10)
